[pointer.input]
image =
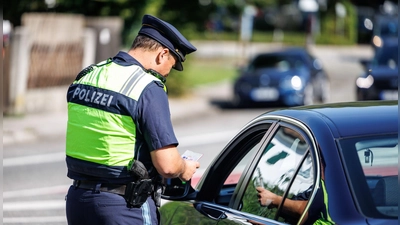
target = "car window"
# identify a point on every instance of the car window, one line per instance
(239, 157)
(234, 176)
(277, 171)
(280, 62)
(379, 163)
(265, 61)
(372, 164)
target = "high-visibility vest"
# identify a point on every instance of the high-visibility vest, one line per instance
(101, 128)
(325, 218)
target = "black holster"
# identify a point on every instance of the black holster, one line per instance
(136, 193)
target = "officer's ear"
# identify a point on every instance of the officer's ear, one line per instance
(163, 55)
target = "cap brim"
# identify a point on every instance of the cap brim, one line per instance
(178, 65)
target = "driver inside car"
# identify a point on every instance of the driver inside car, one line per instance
(293, 208)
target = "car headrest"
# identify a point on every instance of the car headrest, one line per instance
(386, 191)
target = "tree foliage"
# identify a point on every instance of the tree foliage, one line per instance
(193, 18)
(187, 16)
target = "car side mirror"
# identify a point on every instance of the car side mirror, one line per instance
(175, 189)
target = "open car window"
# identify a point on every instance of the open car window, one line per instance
(234, 176)
(227, 169)
(229, 186)
(285, 169)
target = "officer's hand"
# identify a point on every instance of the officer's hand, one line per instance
(189, 170)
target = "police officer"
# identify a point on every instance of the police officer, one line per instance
(120, 138)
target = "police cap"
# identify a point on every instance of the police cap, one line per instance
(168, 36)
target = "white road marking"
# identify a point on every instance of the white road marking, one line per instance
(30, 220)
(34, 159)
(208, 138)
(36, 191)
(33, 205)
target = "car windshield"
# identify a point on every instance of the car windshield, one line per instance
(280, 62)
(372, 164)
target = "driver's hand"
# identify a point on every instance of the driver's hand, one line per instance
(265, 197)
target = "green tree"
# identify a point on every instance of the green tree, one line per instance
(129, 10)
(329, 24)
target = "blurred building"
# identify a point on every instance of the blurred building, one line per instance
(46, 53)
(7, 28)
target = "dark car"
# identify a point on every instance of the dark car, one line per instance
(365, 17)
(384, 27)
(379, 81)
(336, 163)
(290, 76)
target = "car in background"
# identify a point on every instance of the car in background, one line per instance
(379, 81)
(290, 76)
(365, 17)
(384, 27)
(339, 160)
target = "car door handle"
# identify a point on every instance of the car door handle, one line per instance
(210, 211)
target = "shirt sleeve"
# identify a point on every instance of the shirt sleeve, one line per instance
(154, 118)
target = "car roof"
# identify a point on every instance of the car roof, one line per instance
(347, 119)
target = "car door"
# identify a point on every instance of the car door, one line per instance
(283, 165)
(274, 154)
(218, 183)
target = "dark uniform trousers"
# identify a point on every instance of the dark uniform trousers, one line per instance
(95, 207)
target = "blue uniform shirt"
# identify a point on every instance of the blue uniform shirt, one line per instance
(154, 124)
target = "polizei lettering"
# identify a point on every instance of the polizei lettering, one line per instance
(96, 97)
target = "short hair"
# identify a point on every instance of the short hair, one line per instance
(142, 41)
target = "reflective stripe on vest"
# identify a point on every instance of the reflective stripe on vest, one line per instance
(324, 220)
(102, 106)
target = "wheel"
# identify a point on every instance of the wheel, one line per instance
(237, 101)
(325, 92)
(308, 95)
(360, 96)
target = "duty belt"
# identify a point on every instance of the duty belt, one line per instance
(93, 185)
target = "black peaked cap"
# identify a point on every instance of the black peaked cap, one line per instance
(168, 36)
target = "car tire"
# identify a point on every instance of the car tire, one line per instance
(237, 101)
(325, 92)
(360, 96)
(308, 94)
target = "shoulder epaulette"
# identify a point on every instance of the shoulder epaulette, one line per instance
(90, 69)
(84, 72)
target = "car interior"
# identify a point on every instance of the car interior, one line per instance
(385, 195)
(381, 174)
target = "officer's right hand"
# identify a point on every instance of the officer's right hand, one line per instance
(190, 168)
